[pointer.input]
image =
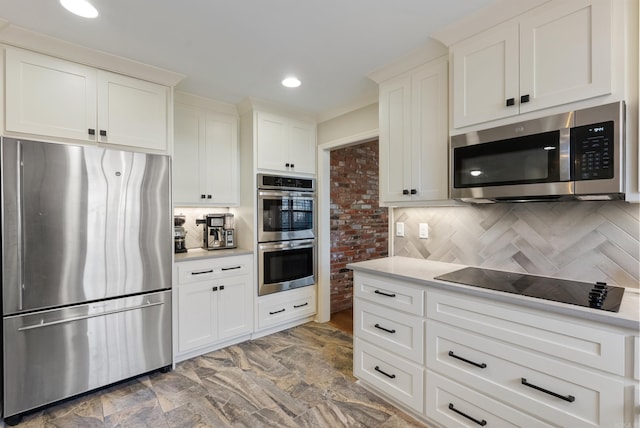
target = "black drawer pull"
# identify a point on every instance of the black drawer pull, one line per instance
(510, 102)
(569, 398)
(214, 289)
(103, 133)
(384, 329)
(277, 312)
(405, 191)
(384, 294)
(524, 98)
(482, 366)
(221, 287)
(414, 191)
(481, 423)
(390, 376)
(202, 272)
(91, 131)
(231, 268)
(300, 306)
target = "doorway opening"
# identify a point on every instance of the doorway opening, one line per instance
(358, 225)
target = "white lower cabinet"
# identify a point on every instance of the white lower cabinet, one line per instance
(478, 362)
(286, 307)
(215, 303)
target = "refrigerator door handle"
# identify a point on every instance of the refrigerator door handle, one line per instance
(84, 317)
(19, 224)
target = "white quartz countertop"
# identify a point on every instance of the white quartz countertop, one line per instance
(199, 254)
(423, 272)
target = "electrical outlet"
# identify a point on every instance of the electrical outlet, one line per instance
(424, 230)
(399, 229)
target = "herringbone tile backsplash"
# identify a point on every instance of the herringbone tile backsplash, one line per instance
(584, 241)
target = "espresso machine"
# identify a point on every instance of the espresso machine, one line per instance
(179, 234)
(219, 232)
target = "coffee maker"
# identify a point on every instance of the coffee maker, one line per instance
(219, 232)
(179, 234)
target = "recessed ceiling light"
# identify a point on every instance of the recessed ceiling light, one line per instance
(80, 7)
(291, 82)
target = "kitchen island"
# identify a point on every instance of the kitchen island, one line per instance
(452, 354)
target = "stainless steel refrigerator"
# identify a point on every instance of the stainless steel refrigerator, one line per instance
(86, 269)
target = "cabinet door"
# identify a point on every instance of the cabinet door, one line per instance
(132, 112)
(235, 307)
(395, 140)
(188, 129)
(565, 53)
(302, 147)
(429, 151)
(221, 163)
(49, 97)
(197, 324)
(272, 144)
(485, 76)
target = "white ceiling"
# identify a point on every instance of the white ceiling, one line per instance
(232, 49)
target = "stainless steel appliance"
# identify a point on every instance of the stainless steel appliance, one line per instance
(575, 155)
(285, 265)
(286, 233)
(86, 270)
(219, 232)
(179, 234)
(285, 208)
(596, 296)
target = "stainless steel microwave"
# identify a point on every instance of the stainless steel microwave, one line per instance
(573, 155)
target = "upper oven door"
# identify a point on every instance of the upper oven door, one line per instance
(524, 166)
(284, 215)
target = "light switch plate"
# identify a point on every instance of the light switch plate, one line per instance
(424, 230)
(399, 229)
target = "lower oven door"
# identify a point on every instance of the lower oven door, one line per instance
(284, 265)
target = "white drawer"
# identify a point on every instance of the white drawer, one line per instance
(389, 292)
(575, 341)
(550, 389)
(394, 331)
(204, 270)
(285, 306)
(453, 405)
(391, 374)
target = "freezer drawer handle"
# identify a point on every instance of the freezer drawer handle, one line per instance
(277, 312)
(384, 294)
(482, 365)
(378, 326)
(202, 272)
(301, 305)
(231, 268)
(84, 317)
(481, 423)
(569, 398)
(390, 376)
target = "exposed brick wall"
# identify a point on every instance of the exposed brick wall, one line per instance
(359, 228)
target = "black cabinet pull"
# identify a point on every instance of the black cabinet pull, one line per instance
(414, 191)
(390, 376)
(511, 102)
(481, 423)
(378, 326)
(202, 272)
(277, 312)
(91, 131)
(214, 289)
(384, 294)
(103, 133)
(221, 287)
(231, 268)
(300, 306)
(524, 98)
(287, 164)
(569, 398)
(482, 366)
(203, 196)
(405, 192)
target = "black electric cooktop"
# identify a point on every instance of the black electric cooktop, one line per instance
(597, 296)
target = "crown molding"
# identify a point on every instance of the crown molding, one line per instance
(431, 50)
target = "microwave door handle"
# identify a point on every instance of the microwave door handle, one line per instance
(566, 168)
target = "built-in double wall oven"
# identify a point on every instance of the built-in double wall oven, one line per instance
(286, 233)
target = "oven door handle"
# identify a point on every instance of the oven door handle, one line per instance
(285, 194)
(283, 245)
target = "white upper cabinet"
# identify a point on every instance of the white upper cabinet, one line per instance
(206, 159)
(285, 144)
(555, 54)
(413, 135)
(53, 98)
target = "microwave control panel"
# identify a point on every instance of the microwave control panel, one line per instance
(593, 147)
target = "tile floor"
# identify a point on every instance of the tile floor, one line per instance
(300, 377)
